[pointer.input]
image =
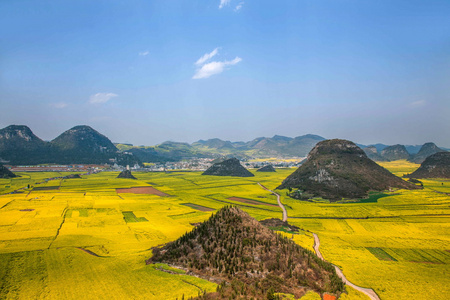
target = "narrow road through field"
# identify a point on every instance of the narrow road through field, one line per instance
(279, 202)
(369, 292)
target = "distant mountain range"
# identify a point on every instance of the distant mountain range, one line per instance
(396, 152)
(276, 146)
(84, 145)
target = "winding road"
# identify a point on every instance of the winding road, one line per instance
(279, 202)
(369, 292)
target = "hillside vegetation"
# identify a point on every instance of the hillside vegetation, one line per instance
(232, 246)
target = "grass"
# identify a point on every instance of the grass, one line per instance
(41, 233)
(381, 254)
(129, 217)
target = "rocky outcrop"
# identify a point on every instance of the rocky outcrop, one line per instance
(373, 154)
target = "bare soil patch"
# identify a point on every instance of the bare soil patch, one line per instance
(198, 207)
(250, 201)
(142, 190)
(45, 188)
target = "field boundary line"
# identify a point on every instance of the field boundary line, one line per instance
(60, 226)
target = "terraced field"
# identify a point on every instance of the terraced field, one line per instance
(84, 236)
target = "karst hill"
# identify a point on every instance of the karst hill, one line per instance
(425, 151)
(126, 174)
(233, 248)
(434, 166)
(229, 167)
(78, 145)
(337, 169)
(395, 152)
(5, 173)
(268, 168)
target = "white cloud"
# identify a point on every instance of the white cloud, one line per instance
(59, 105)
(144, 53)
(206, 57)
(223, 3)
(100, 98)
(239, 6)
(419, 103)
(214, 67)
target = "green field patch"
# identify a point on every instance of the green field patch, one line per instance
(167, 268)
(380, 254)
(84, 212)
(129, 217)
(417, 255)
(282, 229)
(345, 227)
(372, 198)
(198, 207)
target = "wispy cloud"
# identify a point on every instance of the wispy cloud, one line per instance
(59, 105)
(207, 56)
(224, 3)
(144, 53)
(419, 103)
(214, 67)
(101, 98)
(239, 6)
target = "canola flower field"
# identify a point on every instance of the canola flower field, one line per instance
(80, 239)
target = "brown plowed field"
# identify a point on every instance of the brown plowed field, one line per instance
(250, 201)
(142, 190)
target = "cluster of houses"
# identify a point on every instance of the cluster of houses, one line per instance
(57, 168)
(201, 164)
(194, 164)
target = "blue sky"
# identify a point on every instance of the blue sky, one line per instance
(368, 71)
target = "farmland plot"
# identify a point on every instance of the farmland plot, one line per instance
(57, 244)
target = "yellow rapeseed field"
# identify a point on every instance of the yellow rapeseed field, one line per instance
(80, 239)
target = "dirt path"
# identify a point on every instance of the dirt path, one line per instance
(285, 216)
(369, 292)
